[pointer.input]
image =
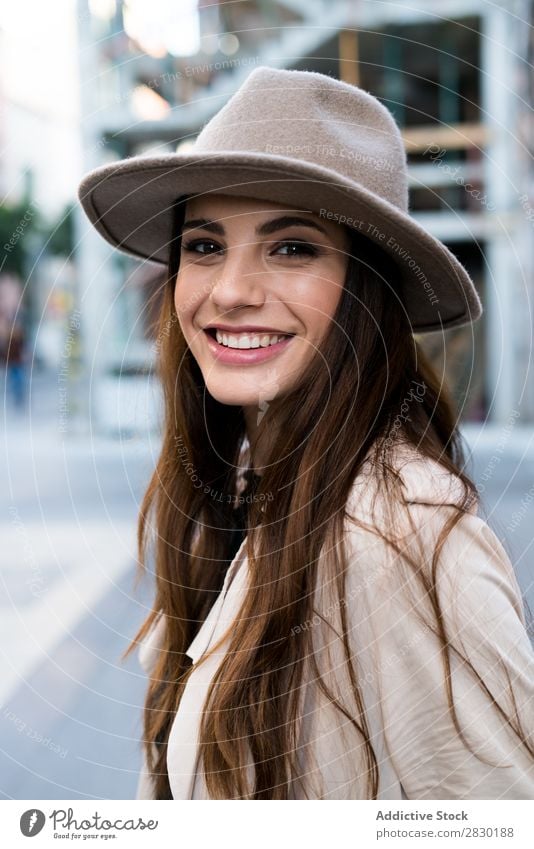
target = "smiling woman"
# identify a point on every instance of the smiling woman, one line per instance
(332, 619)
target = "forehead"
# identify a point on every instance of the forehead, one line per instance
(209, 203)
(243, 211)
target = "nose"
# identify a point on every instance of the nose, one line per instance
(238, 283)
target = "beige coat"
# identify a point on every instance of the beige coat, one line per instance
(419, 753)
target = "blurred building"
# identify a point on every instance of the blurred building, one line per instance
(40, 163)
(456, 74)
(39, 102)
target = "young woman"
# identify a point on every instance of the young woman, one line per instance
(332, 618)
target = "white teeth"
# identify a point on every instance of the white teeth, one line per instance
(230, 340)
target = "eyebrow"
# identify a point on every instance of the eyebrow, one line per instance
(265, 229)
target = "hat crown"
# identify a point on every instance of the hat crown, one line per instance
(317, 119)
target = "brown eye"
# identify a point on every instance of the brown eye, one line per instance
(296, 248)
(193, 246)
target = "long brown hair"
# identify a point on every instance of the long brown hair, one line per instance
(354, 388)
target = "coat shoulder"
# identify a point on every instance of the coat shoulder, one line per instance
(427, 481)
(423, 480)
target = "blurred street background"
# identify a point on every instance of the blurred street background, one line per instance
(86, 82)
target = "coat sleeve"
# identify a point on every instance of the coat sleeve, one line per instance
(147, 657)
(483, 615)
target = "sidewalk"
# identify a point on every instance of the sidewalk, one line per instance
(68, 608)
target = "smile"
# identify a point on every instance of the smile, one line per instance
(245, 348)
(246, 340)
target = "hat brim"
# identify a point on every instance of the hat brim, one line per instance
(130, 204)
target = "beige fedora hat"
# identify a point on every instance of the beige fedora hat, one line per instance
(306, 140)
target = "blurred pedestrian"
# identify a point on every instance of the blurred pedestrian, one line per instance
(16, 382)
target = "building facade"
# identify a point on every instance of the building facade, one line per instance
(457, 78)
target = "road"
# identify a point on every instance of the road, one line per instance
(70, 709)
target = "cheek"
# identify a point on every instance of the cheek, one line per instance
(329, 296)
(317, 299)
(332, 285)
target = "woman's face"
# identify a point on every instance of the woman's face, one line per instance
(256, 290)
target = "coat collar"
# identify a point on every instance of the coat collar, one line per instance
(423, 480)
(214, 626)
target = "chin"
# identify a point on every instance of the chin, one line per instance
(238, 397)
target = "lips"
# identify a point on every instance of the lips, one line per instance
(244, 356)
